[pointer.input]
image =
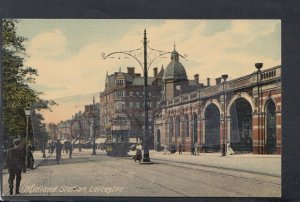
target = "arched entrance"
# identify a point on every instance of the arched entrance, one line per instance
(270, 127)
(241, 126)
(158, 136)
(212, 128)
(195, 128)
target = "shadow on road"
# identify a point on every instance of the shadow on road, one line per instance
(84, 159)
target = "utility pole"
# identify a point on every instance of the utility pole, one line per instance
(94, 134)
(145, 67)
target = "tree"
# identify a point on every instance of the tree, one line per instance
(17, 94)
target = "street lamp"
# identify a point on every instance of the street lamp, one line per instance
(145, 67)
(27, 113)
(224, 77)
(44, 155)
(258, 76)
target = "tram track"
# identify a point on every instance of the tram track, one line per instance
(213, 173)
(217, 170)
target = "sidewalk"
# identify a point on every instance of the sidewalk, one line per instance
(38, 158)
(260, 164)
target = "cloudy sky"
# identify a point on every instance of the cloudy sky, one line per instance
(67, 53)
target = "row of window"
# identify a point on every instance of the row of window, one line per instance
(122, 93)
(134, 105)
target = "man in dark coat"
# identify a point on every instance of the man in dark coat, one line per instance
(70, 147)
(16, 164)
(58, 151)
(180, 148)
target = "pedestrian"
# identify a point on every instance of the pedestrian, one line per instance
(70, 149)
(196, 149)
(30, 159)
(52, 148)
(229, 149)
(16, 164)
(166, 150)
(180, 148)
(193, 150)
(58, 151)
(138, 155)
(173, 148)
(49, 148)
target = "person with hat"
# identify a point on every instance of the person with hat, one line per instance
(58, 151)
(16, 164)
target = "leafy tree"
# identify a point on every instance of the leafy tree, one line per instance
(17, 94)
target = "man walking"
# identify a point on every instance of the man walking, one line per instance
(58, 151)
(70, 149)
(16, 164)
(180, 148)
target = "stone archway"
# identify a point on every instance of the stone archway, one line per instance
(158, 140)
(271, 138)
(241, 137)
(212, 128)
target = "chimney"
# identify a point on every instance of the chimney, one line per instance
(196, 77)
(130, 71)
(218, 80)
(155, 72)
(208, 81)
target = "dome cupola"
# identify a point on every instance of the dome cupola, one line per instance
(175, 70)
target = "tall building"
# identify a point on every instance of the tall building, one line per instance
(122, 104)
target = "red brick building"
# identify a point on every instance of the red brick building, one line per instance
(244, 113)
(122, 103)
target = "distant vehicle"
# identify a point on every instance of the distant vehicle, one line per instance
(117, 143)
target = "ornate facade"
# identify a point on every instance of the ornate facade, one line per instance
(244, 113)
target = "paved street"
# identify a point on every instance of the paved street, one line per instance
(173, 175)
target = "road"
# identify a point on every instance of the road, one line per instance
(100, 175)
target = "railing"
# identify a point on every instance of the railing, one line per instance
(206, 92)
(239, 83)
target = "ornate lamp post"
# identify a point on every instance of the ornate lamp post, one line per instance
(258, 76)
(44, 149)
(27, 113)
(145, 67)
(224, 77)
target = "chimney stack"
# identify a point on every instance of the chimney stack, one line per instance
(155, 72)
(208, 81)
(196, 77)
(130, 71)
(218, 80)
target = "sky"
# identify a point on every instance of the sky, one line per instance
(67, 53)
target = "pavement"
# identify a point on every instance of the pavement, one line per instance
(204, 175)
(269, 165)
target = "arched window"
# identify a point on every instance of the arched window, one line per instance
(195, 127)
(177, 127)
(187, 128)
(271, 127)
(171, 129)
